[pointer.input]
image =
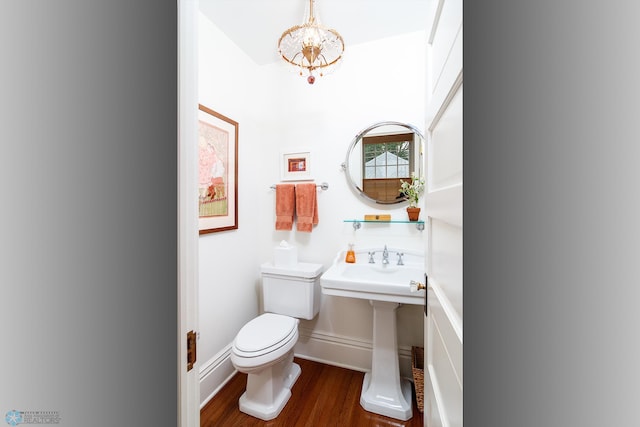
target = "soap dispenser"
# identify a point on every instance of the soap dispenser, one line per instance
(351, 256)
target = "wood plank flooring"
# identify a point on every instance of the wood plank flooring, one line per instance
(323, 396)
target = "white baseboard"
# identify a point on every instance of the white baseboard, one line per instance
(214, 374)
(345, 352)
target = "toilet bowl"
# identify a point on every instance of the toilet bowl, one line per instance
(264, 347)
(264, 341)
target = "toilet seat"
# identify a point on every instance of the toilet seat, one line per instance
(262, 334)
(264, 340)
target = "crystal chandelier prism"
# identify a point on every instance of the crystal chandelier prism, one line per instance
(311, 47)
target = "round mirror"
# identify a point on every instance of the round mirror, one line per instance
(380, 157)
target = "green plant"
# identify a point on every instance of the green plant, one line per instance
(412, 190)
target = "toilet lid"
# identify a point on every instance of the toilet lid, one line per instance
(265, 331)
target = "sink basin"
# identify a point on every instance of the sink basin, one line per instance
(386, 286)
(377, 281)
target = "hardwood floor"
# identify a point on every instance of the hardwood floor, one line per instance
(323, 396)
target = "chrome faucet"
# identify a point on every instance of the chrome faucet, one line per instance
(385, 255)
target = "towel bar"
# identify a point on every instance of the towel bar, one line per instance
(323, 186)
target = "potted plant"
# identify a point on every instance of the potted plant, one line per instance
(411, 190)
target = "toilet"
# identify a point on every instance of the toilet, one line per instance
(263, 349)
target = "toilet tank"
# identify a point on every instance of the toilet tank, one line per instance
(293, 290)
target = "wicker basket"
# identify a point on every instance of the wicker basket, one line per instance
(417, 367)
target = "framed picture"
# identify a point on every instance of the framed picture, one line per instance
(296, 166)
(217, 172)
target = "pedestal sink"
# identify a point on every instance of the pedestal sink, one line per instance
(386, 286)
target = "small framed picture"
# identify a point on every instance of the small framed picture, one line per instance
(296, 166)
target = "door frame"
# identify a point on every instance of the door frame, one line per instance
(187, 292)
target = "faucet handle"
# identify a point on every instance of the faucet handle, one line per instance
(371, 260)
(400, 255)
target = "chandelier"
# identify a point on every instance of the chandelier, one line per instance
(311, 47)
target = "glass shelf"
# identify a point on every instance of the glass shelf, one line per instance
(357, 223)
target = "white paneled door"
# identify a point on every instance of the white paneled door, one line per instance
(443, 207)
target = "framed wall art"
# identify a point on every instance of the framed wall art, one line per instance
(217, 172)
(296, 166)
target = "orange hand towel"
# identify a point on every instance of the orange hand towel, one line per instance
(306, 207)
(285, 205)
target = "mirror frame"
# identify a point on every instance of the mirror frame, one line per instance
(358, 138)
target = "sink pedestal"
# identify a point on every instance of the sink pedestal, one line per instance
(383, 391)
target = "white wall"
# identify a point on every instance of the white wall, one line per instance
(277, 110)
(230, 83)
(324, 118)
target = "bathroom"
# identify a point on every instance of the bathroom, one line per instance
(278, 112)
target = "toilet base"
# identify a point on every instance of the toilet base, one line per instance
(269, 391)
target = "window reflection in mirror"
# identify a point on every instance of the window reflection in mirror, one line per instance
(387, 159)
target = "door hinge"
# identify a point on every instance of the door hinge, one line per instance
(426, 294)
(191, 349)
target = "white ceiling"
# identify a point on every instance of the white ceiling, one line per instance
(256, 25)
